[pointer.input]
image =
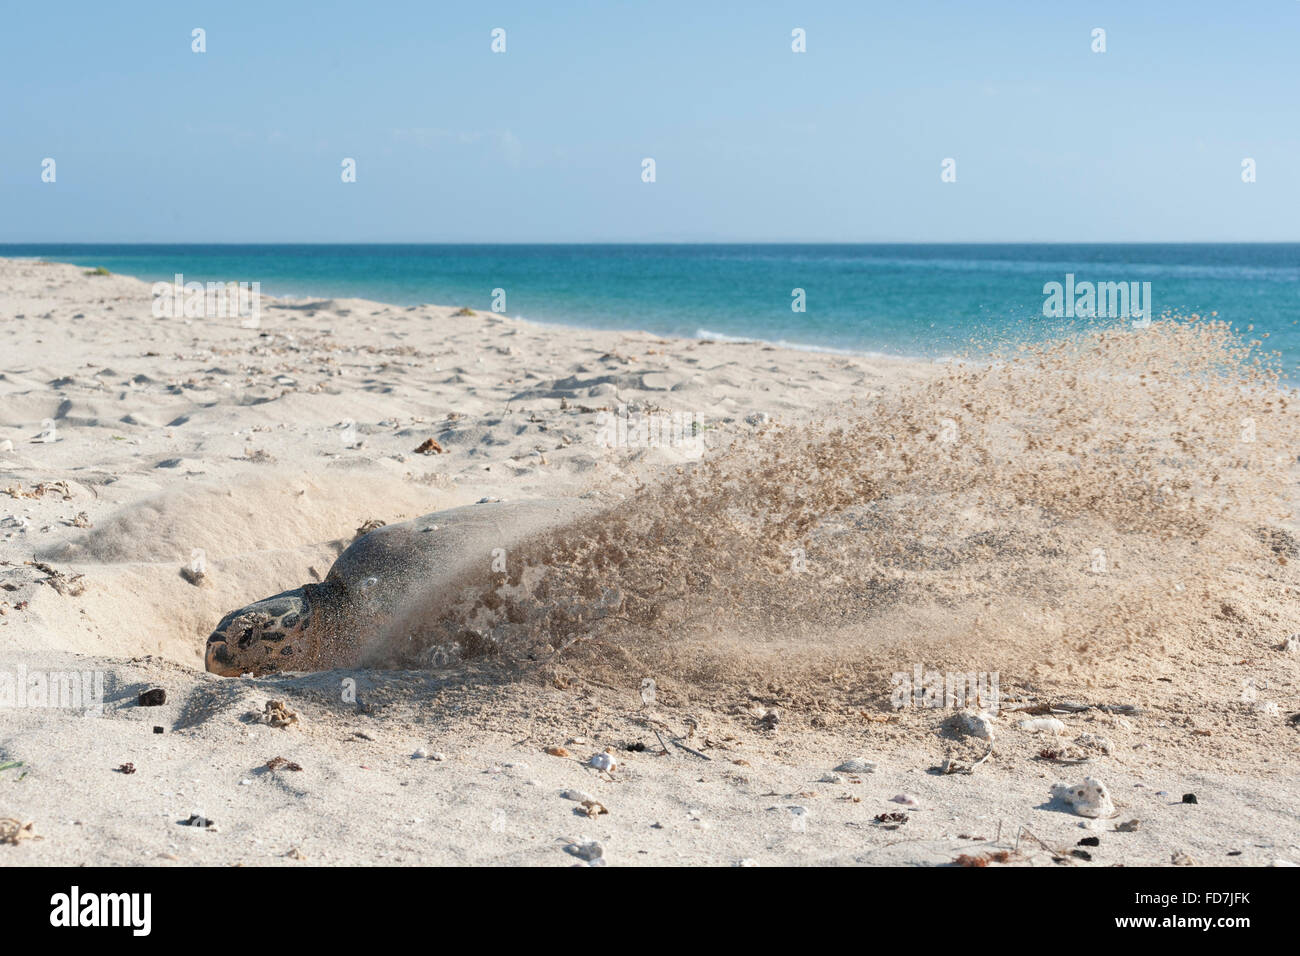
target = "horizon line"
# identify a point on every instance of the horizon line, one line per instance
(669, 242)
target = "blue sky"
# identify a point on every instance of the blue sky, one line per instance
(752, 142)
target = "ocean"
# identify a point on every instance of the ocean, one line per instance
(926, 301)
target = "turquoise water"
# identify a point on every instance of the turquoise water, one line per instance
(912, 300)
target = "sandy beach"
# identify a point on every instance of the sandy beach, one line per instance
(158, 473)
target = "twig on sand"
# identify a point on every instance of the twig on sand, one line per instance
(691, 750)
(1056, 854)
(654, 724)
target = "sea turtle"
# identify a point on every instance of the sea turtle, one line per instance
(385, 578)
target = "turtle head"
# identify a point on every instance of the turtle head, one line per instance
(272, 635)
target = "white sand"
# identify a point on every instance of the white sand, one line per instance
(174, 437)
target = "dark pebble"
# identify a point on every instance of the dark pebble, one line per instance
(1081, 854)
(1190, 798)
(153, 698)
(157, 730)
(1090, 841)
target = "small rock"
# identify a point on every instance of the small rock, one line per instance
(1095, 742)
(1087, 799)
(603, 761)
(589, 851)
(420, 754)
(126, 768)
(437, 756)
(1291, 645)
(1128, 826)
(581, 796)
(1182, 859)
(1043, 725)
(1190, 798)
(1089, 841)
(972, 723)
(557, 751)
(830, 778)
(278, 715)
(153, 698)
(857, 765)
(590, 808)
(906, 799)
